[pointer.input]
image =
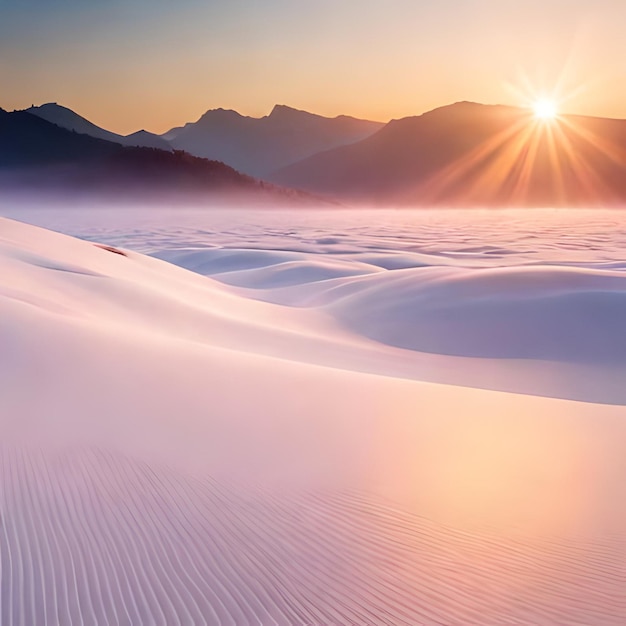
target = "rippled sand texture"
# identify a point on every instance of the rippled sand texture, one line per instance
(92, 538)
(329, 432)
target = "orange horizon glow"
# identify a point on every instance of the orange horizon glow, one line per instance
(504, 165)
(135, 65)
(545, 110)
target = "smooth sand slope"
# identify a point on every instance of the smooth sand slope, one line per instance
(177, 452)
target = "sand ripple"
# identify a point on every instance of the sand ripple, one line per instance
(89, 537)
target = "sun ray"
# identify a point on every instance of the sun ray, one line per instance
(520, 189)
(555, 163)
(592, 186)
(480, 158)
(533, 153)
(499, 177)
(614, 152)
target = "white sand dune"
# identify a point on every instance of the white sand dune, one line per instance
(555, 313)
(548, 313)
(177, 452)
(536, 329)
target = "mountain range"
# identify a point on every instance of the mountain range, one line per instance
(37, 155)
(260, 146)
(66, 118)
(253, 146)
(464, 154)
(469, 154)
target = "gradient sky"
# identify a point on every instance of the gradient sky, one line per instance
(154, 64)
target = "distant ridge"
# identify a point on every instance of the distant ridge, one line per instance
(66, 118)
(38, 155)
(145, 139)
(259, 146)
(470, 154)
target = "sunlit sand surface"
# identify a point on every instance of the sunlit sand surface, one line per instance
(325, 418)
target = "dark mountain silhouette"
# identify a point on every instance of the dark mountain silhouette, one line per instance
(145, 139)
(38, 155)
(475, 155)
(66, 118)
(259, 146)
(29, 141)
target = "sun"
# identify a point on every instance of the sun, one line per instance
(545, 109)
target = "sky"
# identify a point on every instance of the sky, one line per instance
(155, 64)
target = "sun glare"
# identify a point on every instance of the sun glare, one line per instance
(545, 109)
